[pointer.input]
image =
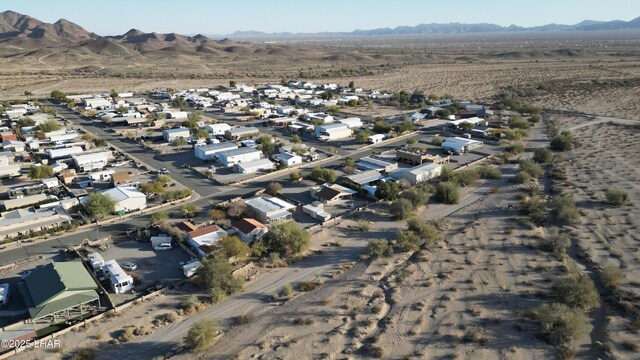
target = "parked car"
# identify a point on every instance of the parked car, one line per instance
(4, 295)
(129, 265)
(466, 136)
(163, 171)
(163, 246)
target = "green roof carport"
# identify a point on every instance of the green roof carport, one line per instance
(57, 287)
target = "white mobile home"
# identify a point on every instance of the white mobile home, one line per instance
(288, 159)
(254, 166)
(375, 138)
(353, 122)
(92, 161)
(208, 152)
(418, 174)
(64, 152)
(173, 134)
(217, 129)
(231, 157)
(330, 132)
(241, 133)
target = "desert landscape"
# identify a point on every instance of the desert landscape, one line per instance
(537, 259)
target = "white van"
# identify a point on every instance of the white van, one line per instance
(163, 246)
(4, 295)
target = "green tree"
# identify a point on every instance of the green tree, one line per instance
(447, 193)
(180, 103)
(26, 122)
(113, 94)
(466, 126)
(349, 161)
(296, 139)
(401, 208)
(437, 140)
(179, 142)
(542, 156)
(351, 85)
(160, 217)
(99, 205)
(100, 142)
(232, 246)
(40, 172)
(426, 230)
(563, 141)
(58, 95)
(387, 190)
(286, 239)
(267, 144)
(48, 126)
(274, 188)
(381, 127)
(122, 110)
(216, 276)
(190, 210)
(323, 174)
(377, 248)
(202, 335)
(232, 83)
(202, 134)
(295, 175)
(560, 324)
(28, 93)
(405, 126)
(577, 291)
(362, 137)
(216, 214)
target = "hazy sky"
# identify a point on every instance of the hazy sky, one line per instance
(113, 17)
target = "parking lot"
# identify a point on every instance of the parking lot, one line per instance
(153, 266)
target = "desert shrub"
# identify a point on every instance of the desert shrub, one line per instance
(446, 174)
(474, 334)
(322, 174)
(190, 304)
(489, 172)
(377, 248)
(174, 195)
(307, 286)
(84, 354)
(466, 178)
(287, 239)
(286, 291)
(542, 156)
(522, 177)
(408, 240)
(364, 225)
(388, 190)
(373, 350)
(417, 196)
(563, 142)
(127, 334)
(202, 335)
(611, 276)
(513, 149)
(236, 208)
(437, 140)
(560, 324)
(243, 319)
(532, 168)
(564, 210)
(556, 242)
(274, 188)
(171, 317)
(303, 321)
(616, 197)
(447, 193)
(427, 231)
(401, 209)
(576, 291)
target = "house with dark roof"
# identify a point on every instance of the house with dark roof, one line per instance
(58, 292)
(203, 239)
(329, 193)
(249, 230)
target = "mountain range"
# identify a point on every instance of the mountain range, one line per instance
(459, 28)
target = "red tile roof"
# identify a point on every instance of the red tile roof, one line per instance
(247, 225)
(203, 231)
(186, 226)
